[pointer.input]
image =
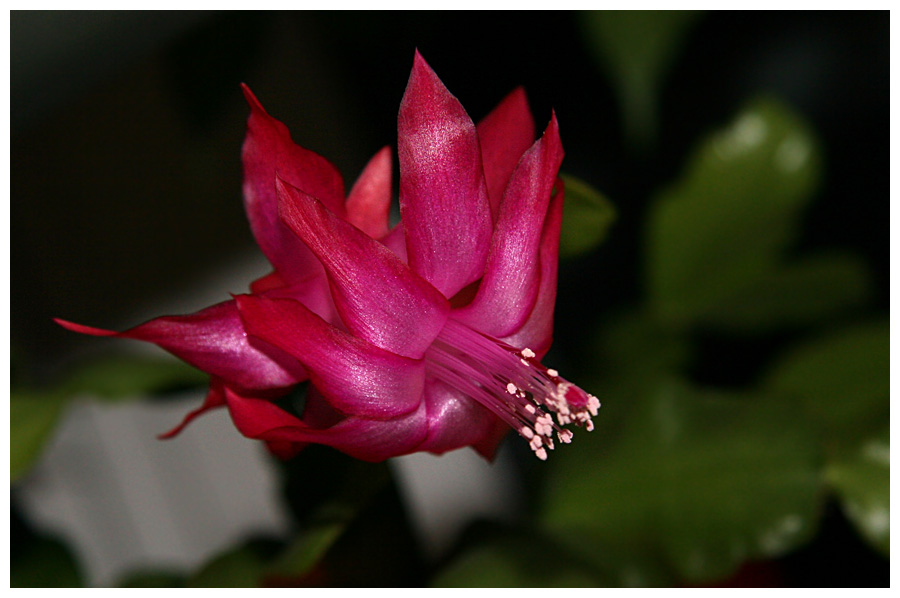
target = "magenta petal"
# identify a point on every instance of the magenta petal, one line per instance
(355, 376)
(396, 242)
(512, 274)
(313, 292)
(443, 198)
(505, 134)
(537, 331)
(377, 296)
(268, 149)
(213, 340)
(456, 420)
(366, 439)
(215, 398)
(369, 202)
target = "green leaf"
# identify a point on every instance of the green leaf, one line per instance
(720, 231)
(637, 48)
(862, 480)
(32, 420)
(312, 544)
(842, 380)
(808, 290)
(48, 563)
(153, 579)
(587, 217)
(516, 560)
(696, 483)
(125, 377)
(241, 567)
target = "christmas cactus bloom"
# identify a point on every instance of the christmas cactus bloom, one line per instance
(424, 337)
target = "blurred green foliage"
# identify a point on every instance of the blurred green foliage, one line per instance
(702, 481)
(500, 557)
(716, 238)
(637, 48)
(587, 216)
(46, 563)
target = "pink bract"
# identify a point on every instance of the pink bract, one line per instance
(424, 337)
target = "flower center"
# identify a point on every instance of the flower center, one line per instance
(510, 382)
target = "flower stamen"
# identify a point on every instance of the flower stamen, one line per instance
(512, 384)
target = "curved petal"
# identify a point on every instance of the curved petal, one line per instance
(213, 340)
(272, 280)
(443, 198)
(396, 242)
(505, 134)
(456, 420)
(378, 297)
(355, 376)
(508, 292)
(369, 202)
(215, 398)
(366, 439)
(537, 331)
(268, 149)
(312, 291)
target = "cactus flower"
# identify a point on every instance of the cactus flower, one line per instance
(422, 337)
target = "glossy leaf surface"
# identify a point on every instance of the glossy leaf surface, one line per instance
(842, 380)
(720, 230)
(862, 479)
(695, 484)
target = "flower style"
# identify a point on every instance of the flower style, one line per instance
(424, 337)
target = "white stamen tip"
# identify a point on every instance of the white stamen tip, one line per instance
(553, 373)
(527, 353)
(526, 432)
(511, 388)
(541, 454)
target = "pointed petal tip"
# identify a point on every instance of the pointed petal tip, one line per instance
(252, 100)
(423, 74)
(84, 329)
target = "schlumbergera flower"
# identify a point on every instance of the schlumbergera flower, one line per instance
(424, 337)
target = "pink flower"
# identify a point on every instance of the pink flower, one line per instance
(424, 337)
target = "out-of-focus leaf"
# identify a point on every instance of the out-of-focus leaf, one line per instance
(128, 377)
(720, 230)
(515, 561)
(862, 480)
(637, 48)
(312, 543)
(805, 291)
(238, 568)
(696, 483)
(153, 579)
(587, 216)
(632, 355)
(842, 380)
(32, 419)
(47, 564)
(633, 350)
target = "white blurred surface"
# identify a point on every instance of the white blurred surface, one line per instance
(445, 493)
(126, 501)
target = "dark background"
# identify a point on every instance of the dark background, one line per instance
(126, 134)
